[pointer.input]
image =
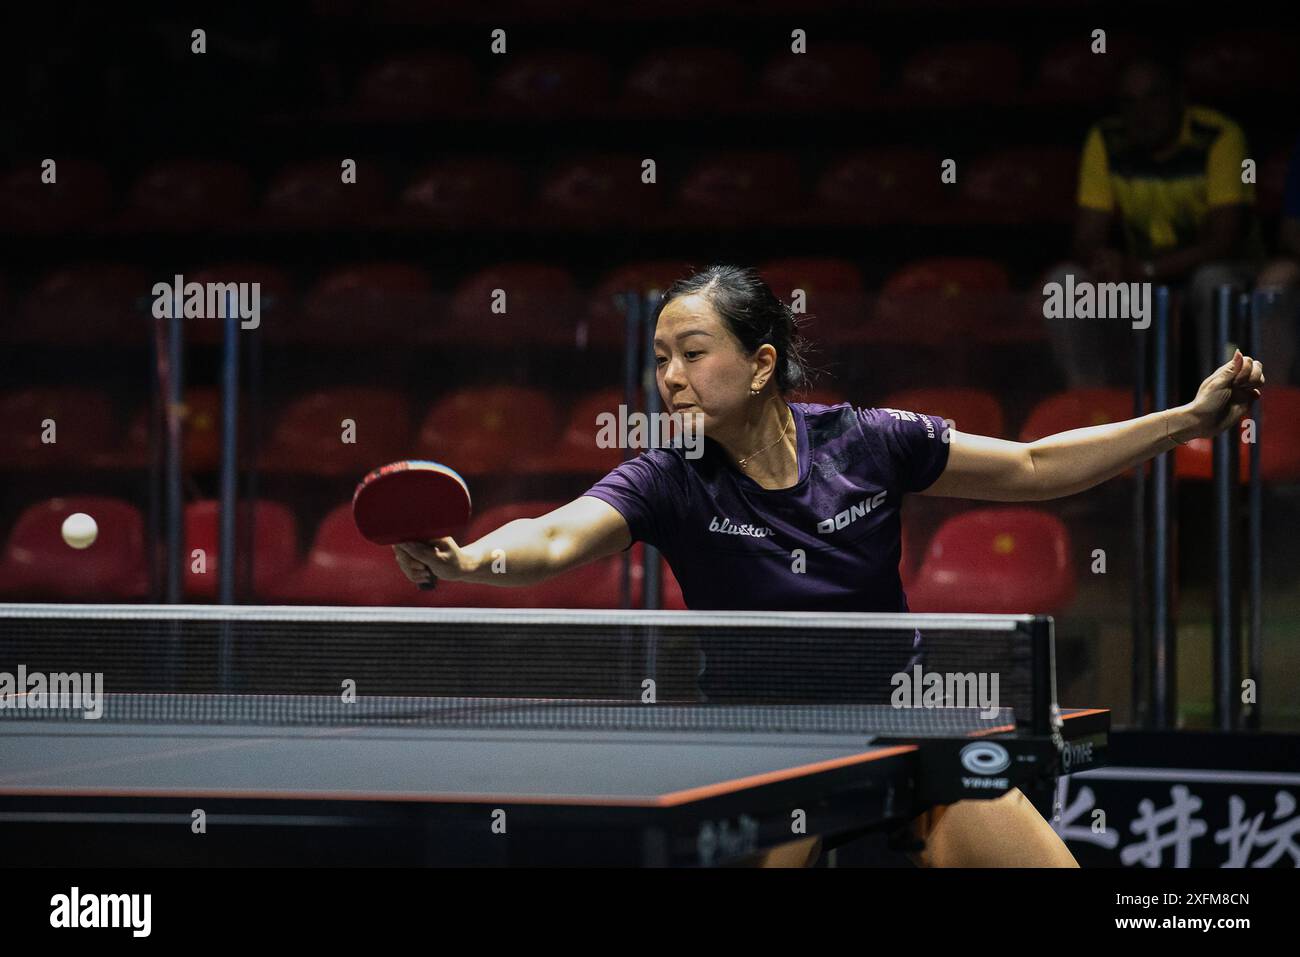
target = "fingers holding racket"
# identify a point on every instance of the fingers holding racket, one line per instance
(424, 563)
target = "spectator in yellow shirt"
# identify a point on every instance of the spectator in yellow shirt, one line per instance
(1281, 277)
(1160, 200)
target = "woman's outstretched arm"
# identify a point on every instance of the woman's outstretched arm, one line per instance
(981, 467)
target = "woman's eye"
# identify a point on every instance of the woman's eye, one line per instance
(692, 354)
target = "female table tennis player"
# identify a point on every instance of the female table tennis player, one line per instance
(728, 349)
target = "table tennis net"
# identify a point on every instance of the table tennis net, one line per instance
(567, 670)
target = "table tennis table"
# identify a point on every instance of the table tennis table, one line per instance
(389, 788)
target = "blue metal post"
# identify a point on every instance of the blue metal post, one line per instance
(1227, 632)
(1163, 650)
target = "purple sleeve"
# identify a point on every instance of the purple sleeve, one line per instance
(641, 490)
(916, 442)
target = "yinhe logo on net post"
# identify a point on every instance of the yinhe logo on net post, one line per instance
(987, 759)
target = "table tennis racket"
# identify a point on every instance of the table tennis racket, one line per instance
(411, 501)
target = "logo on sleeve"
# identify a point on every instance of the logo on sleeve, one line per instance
(903, 416)
(852, 513)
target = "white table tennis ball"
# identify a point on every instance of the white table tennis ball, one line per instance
(80, 530)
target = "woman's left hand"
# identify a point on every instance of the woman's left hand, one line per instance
(1224, 397)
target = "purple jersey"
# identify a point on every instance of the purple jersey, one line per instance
(832, 542)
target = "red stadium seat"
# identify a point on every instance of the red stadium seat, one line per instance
(606, 318)
(342, 568)
(275, 546)
(86, 305)
(1077, 409)
(78, 421)
(835, 298)
(972, 411)
(686, 79)
(577, 451)
(39, 566)
(1071, 73)
(598, 191)
(465, 193)
(313, 195)
(200, 431)
(1236, 64)
(80, 197)
(879, 186)
(740, 189)
(1279, 453)
(438, 13)
(551, 83)
(1021, 186)
(830, 76)
(488, 429)
(379, 302)
(643, 14)
(996, 561)
(541, 303)
(932, 300)
(189, 195)
(417, 86)
(600, 585)
(308, 436)
(962, 73)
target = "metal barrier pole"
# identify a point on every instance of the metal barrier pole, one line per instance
(228, 499)
(651, 583)
(229, 459)
(249, 436)
(1163, 667)
(157, 441)
(1227, 633)
(1255, 533)
(173, 404)
(1138, 703)
(631, 381)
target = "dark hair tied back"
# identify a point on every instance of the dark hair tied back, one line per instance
(755, 316)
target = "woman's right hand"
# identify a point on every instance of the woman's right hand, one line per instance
(422, 562)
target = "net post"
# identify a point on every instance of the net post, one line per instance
(226, 559)
(1042, 634)
(631, 377)
(650, 573)
(1163, 650)
(173, 508)
(1140, 679)
(1227, 630)
(1255, 533)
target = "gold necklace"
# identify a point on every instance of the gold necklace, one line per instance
(743, 462)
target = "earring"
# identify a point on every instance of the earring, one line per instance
(753, 391)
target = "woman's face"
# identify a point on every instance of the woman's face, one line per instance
(702, 367)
